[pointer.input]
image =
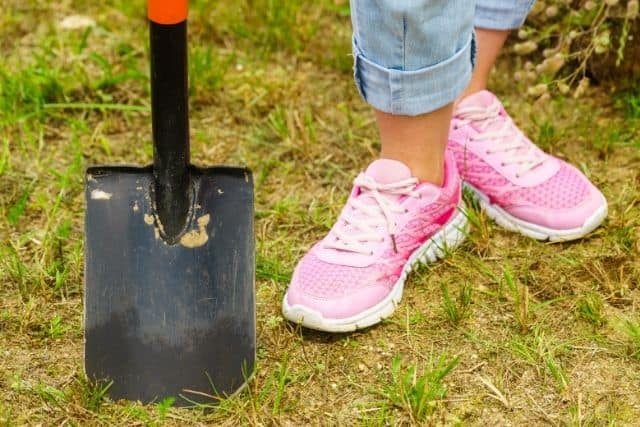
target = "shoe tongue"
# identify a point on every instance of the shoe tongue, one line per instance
(387, 171)
(484, 98)
(383, 171)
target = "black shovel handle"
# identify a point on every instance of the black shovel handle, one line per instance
(170, 114)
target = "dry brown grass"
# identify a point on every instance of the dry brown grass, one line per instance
(283, 103)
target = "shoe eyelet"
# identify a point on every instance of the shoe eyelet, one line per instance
(406, 210)
(371, 253)
(502, 164)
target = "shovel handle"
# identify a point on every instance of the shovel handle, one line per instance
(168, 11)
(170, 114)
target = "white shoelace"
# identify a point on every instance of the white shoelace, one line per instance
(508, 138)
(363, 222)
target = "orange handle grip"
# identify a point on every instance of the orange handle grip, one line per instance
(168, 11)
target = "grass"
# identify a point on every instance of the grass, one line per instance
(505, 330)
(418, 393)
(632, 330)
(456, 310)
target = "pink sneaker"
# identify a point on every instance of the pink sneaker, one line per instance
(518, 185)
(353, 278)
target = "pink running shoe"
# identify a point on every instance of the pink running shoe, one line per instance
(518, 185)
(353, 278)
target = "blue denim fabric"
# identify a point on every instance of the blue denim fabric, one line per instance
(501, 14)
(415, 56)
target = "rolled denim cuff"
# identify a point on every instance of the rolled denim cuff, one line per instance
(500, 14)
(411, 93)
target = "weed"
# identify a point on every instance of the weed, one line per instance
(272, 269)
(281, 381)
(598, 46)
(556, 371)
(16, 210)
(480, 224)
(207, 69)
(417, 318)
(23, 94)
(520, 296)
(270, 25)
(4, 157)
(456, 310)
(629, 102)
(16, 270)
(541, 352)
(589, 307)
(50, 394)
(56, 328)
(92, 394)
(632, 330)
(547, 136)
(418, 392)
(164, 406)
(7, 418)
(607, 139)
(138, 413)
(625, 237)
(376, 416)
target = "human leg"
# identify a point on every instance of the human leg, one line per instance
(412, 60)
(520, 186)
(490, 44)
(417, 141)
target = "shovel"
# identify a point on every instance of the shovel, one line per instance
(169, 250)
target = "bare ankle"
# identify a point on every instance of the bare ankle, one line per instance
(419, 142)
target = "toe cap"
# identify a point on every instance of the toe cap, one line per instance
(341, 307)
(575, 217)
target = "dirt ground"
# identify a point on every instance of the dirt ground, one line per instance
(547, 334)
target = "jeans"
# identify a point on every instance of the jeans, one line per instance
(416, 56)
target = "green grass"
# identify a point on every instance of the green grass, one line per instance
(632, 330)
(456, 310)
(536, 333)
(418, 391)
(590, 308)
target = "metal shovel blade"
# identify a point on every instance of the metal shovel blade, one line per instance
(164, 319)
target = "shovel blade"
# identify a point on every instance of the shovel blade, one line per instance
(169, 320)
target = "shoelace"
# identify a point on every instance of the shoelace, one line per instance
(375, 220)
(508, 138)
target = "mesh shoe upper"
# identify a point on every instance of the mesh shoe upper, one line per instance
(499, 161)
(341, 278)
(564, 190)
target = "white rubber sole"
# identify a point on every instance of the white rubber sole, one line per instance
(511, 223)
(452, 234)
